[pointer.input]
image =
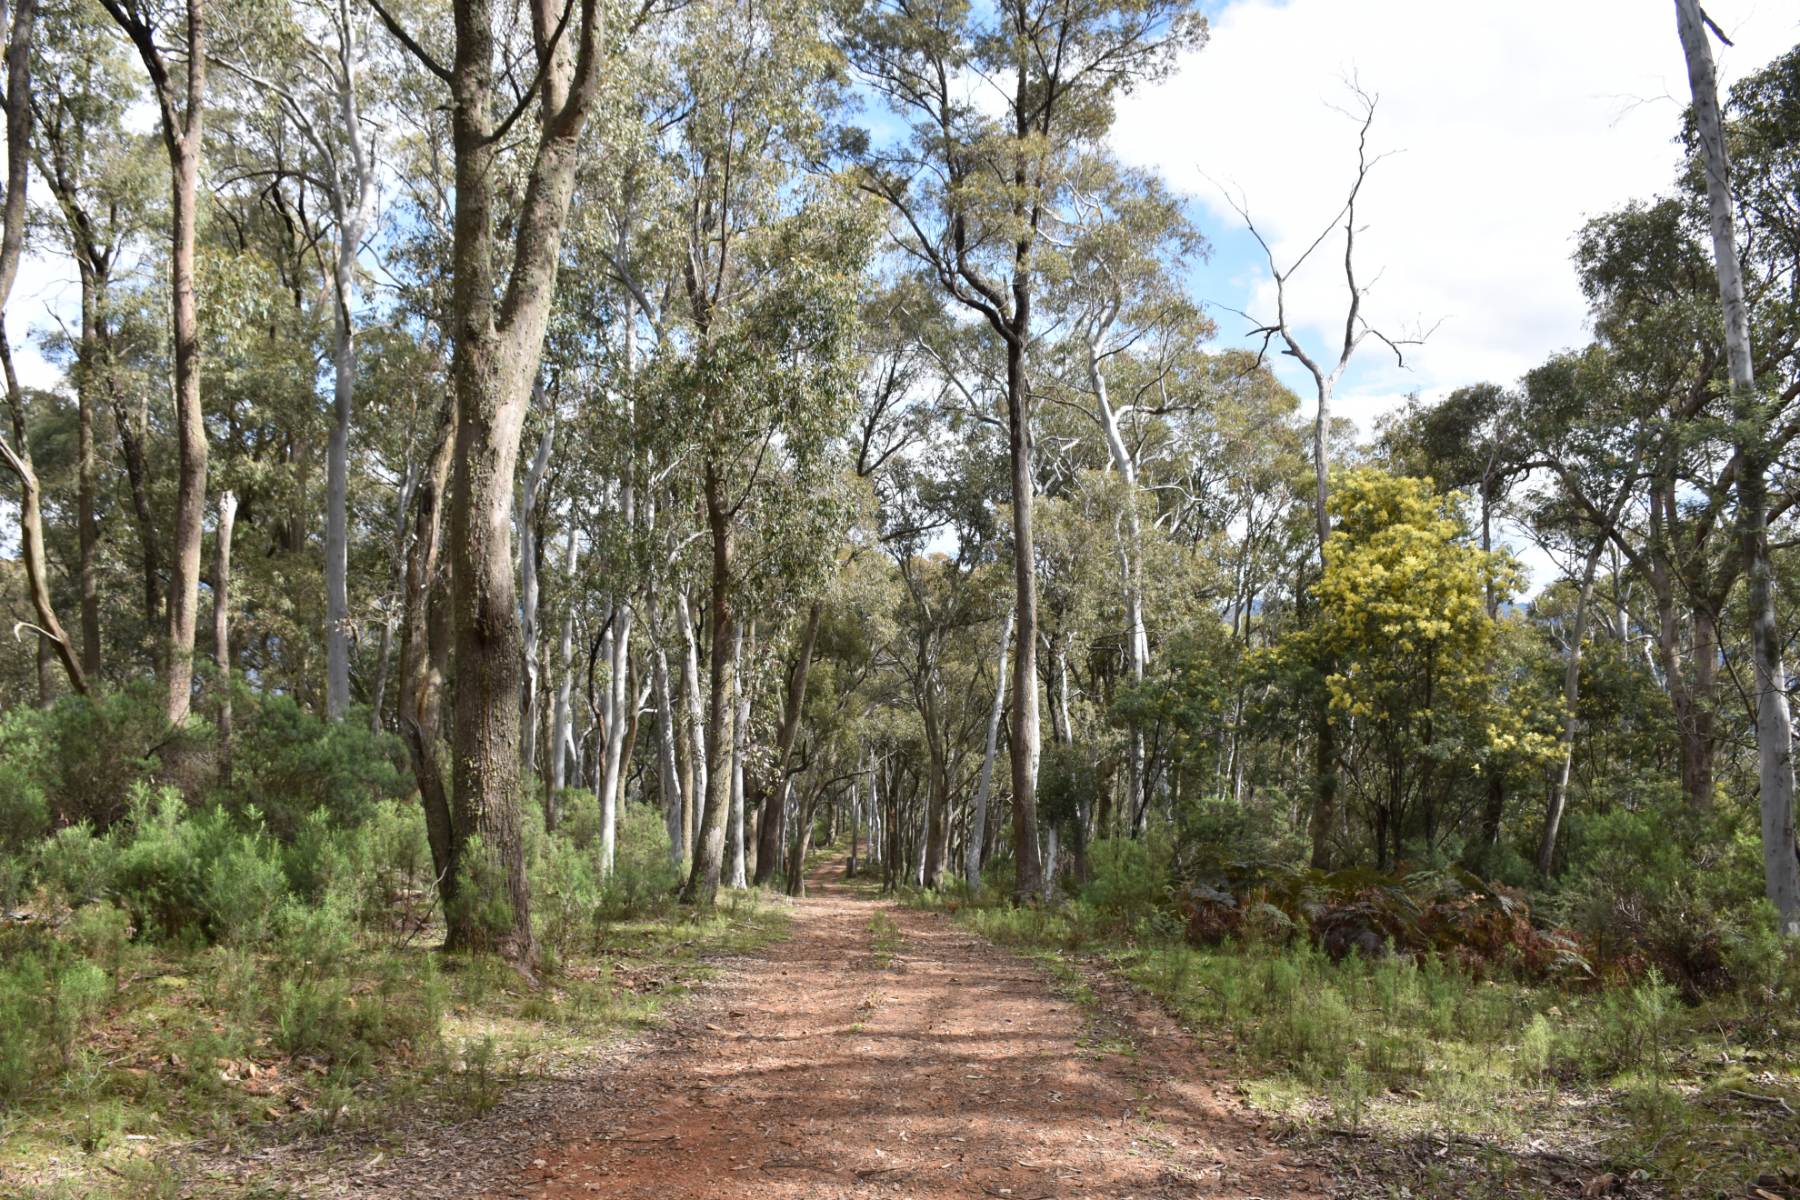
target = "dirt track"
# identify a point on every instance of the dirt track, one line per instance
(816, 1071)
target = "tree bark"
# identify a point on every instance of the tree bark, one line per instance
(222, 625)
(353, 221)
(88, 526)
(137, 474)
(978, 829)
(18, 453)
(771, 824)
(674, 801)
(1024, 740)
(1559, 793)
(739, 749)
(616, 757)
(697, 757)
(709, 839)
(182, 129)
(561, 741)
(31, 533)
(1774, 732)
(424, 646)
(528, 586)
(499, 334)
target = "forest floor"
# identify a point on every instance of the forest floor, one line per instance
(877, 1051)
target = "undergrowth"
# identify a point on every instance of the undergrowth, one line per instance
(190, 980)
(1689, 1096)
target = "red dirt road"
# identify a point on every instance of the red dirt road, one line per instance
(813, 1070)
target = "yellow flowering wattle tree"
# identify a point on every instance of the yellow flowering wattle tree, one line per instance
(1402, 619)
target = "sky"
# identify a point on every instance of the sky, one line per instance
(1506, 126)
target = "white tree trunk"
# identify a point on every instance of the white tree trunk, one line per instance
(739, 739)
(665, 739)
(1774, 731)
(528, 589)
(619, 689)
(353, 217)
(222, 625)
(684, 621)
(1559, 795)
(978, 826)
(1137, 640)
(562, 742)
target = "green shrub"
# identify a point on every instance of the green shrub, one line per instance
(643, 879)
(288, 763)
(1666, 886)
(97, 750)
(47, 998)
(76, 866)
(565, 892)
(1633, 1025)
(1121, 883)
(195, 877)
(24, 811)
(580, 820)
(160, 874)
(244, 884)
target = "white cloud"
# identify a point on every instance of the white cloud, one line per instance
(1511, 125)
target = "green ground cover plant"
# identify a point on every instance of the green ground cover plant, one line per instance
(190, 975)
(1608, 1067)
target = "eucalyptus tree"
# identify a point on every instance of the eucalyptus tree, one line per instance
(316, 53)
(1774, 731)
(999, 101)
(96, 173)
(1125, 245)
(754, 367)
(500, 306)
(17, 453)
(180, 93)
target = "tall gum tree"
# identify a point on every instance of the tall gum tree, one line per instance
(321, 90)
(180, 92)
(1326, 374)
(92, 170)
(1774, 729)
(1125, 246)
(499, 312)
(17, 453)
(753, 368)
(971, 190)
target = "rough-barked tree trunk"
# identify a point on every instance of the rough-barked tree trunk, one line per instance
(709, 834)
(424, 645)
(182, 129)
(1774, 731)
(498, 325)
